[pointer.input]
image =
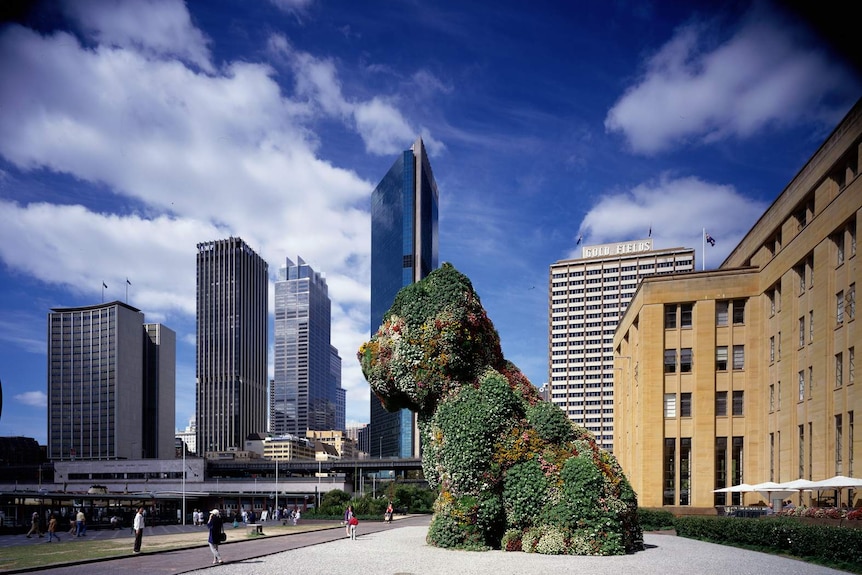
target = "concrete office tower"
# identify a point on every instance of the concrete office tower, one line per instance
(111, 384)
(232, 284)
(404, 249)
(588, 297)
(304, 393)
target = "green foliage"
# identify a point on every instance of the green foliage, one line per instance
(524, 490)
(511, 540)
(510, 469)
(471, 421)
(550, 422)
(655, 519)
(333, 502)
(832, 545)
(454, 525)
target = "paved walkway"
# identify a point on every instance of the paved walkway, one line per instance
(400, 549)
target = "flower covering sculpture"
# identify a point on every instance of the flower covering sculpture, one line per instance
(512, 471)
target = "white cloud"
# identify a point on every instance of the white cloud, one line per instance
(677, 210)
(157, 28)
(32, 398)
(764, 75)
(175, 156)
(378, 121)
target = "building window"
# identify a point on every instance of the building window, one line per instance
(669, 316)
(811, 326)
(685, 360)
(852, 230)
(839, 369)
(801, 461)
(721, 469)
(669, 495)
(771, 397)
(801, 384)
(684, 470)
(771, 456)
(771, 303)
(802, 331)
(737, 452)
(685, 313)
(738, 404)
(721, 404)
(850, 443)
(685, 404)
(721, 358)
(839, 307)
(839, 248)
(809, 265)
(778, 339)
(670, 361)
(670, 405)
(800, 277)
(810, 381)
(738, 311)
(738, 357)
(850, 302)
(771, 349)
(721, 308)
(851, 366)
(839, 440)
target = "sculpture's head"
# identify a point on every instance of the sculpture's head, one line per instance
(435, 338)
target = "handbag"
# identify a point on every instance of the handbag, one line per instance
(222, 537)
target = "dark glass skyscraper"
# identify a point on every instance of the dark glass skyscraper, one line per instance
(232, 282)
(305, 392)
(404, 250)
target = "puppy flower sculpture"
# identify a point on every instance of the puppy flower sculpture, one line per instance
(512, 471)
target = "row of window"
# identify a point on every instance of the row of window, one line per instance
(685, 362)
(680, 315)
(737, 404)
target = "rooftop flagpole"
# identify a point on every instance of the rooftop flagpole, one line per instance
(128, 283)
(703, 251)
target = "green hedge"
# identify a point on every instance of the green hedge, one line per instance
(655, 519)
(831, 545)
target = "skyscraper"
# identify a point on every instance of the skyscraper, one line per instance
(111, 384)
(588, 296)
(304, 393)
(232, 284)
(404, 249)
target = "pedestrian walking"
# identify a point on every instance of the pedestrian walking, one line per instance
(354, 522)
(80, 523)
(217, 534)
(52, 529)
(138, 528)
(34, 525)
(348, 515)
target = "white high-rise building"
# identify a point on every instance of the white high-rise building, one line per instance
(587, 298)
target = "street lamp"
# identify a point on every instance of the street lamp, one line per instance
(184, 482)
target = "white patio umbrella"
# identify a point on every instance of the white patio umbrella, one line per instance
(839, 483)
(799, 485)
(771, 490)
(741, 488)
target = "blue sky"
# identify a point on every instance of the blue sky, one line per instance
(132, 130)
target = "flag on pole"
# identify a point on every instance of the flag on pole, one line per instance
(649, 235)
(710, 240)
(104, 285)
(128, 282)
(580, 237)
